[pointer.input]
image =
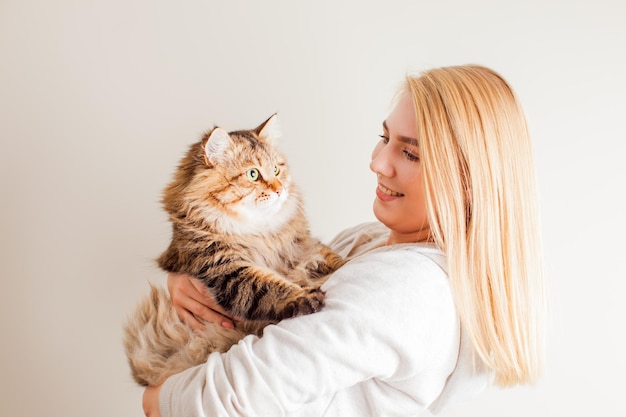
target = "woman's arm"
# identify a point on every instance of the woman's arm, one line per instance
(362, 333)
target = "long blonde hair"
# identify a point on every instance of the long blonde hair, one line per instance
(483, 212)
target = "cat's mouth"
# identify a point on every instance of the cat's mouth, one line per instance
(389, 191)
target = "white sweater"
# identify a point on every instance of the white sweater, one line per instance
(387, 343)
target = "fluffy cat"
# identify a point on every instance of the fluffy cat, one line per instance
(238, 226)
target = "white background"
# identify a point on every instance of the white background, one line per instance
(100, 98)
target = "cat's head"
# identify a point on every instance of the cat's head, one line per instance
(235, 182)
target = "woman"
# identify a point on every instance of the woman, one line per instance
(443, 294)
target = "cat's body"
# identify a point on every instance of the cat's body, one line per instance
(239, 227)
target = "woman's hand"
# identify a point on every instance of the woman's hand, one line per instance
(151, 401)
(193, 301)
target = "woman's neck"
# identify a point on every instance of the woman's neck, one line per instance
(396, 237)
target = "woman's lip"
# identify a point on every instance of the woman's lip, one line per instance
(382, 196)
(386, 194)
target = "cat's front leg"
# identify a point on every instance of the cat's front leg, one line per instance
(326, 262)
(254, 293)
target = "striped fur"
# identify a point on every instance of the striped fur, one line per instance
(247, 239)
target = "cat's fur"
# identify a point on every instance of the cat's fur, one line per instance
(239, 227)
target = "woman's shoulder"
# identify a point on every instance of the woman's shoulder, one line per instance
(359, 239)
(371, 237)
(407, 259)
(398, 268)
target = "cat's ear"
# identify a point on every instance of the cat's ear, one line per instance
(270, 129)
(217, 142)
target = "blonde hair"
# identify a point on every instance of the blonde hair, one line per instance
(482, 206)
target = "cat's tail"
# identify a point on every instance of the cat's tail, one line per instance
(158, 344)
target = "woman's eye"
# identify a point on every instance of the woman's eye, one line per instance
(253, 174)
(276, 170)
(384, 138)
(411, 156)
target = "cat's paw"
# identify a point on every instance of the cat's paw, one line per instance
(310, 302)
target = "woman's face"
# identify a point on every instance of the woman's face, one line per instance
(400, 202)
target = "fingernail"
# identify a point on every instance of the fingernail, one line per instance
(227, 325)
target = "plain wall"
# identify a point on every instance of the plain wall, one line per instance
(100, 98)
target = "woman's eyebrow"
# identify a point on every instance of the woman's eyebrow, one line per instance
(405, 139)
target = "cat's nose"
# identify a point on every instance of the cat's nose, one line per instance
(277, 187)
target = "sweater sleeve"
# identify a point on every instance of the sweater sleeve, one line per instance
(387, 315)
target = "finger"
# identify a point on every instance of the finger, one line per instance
(197, 298)
(205, 313)
(192, 295)
(200, 311)
(206, 298)
(181, 286)
(190, 319)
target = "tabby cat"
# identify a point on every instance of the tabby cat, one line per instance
(238, 226)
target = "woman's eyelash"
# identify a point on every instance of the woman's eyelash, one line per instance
(384, 138)
(411, 156)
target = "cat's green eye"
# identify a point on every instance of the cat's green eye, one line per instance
(276, 170)
(253, 174)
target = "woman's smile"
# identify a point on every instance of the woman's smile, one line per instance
(387, 194)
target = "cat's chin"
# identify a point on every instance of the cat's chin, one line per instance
(264, 219)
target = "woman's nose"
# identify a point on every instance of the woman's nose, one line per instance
(380, 163)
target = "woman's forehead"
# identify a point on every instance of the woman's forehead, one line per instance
(401, 120)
